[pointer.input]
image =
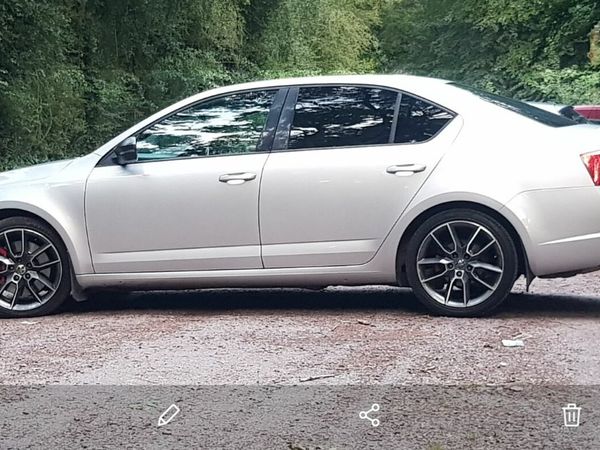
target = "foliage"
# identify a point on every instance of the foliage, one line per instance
(569, 86)
(319, 35)
(73, 73)
(505, 45)
(41, 95)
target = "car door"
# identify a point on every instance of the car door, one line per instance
(346, 162)
(190, 202)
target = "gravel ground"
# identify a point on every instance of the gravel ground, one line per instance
(370, 335)
(339, 338)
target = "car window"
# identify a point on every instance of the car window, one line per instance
(522, 108)
(223, 126)
(336, 116)
(418, 120)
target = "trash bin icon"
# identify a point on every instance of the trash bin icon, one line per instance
(572, 414)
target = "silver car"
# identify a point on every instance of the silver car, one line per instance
(346, 180)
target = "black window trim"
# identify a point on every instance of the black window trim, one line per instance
(264, 145)
(392, 137)
(287, 117)
(282, 135)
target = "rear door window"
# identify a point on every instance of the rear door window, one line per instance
(419, 120)
(341, 116)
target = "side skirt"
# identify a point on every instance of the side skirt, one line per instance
(296, 277)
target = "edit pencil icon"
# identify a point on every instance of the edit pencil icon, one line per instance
(168, 415)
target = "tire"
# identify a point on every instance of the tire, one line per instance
(40, 270)
(454, 281)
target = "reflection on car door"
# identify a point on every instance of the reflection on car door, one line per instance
(191, 200)
(351, 160)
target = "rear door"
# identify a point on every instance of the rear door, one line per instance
(346, 162)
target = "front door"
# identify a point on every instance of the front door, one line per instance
(191, 201)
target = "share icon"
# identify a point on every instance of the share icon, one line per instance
(365, 414)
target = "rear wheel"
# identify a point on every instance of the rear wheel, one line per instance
(34, 268)
(461, 263)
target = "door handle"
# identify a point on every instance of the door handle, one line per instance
(237, 178)
(405, 169)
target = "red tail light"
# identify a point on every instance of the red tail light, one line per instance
(592, 163)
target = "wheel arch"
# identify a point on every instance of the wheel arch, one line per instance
(34, 213)
(5, 213)
(523, 262)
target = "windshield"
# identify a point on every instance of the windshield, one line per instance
(524, 109)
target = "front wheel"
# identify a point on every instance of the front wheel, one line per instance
(34, 268)
(461, 263)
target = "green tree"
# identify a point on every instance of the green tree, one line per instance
(315, 36)
(41, 90)
(73, 73)
(498, 44)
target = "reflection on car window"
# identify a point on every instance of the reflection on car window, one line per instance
(335, 116)
(418, 120)
(524, 109)
(227, 125)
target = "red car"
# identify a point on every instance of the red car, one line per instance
(591, 112)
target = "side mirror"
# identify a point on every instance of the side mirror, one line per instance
(126, 151)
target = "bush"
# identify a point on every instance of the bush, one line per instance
(569, 86)
(43, 115)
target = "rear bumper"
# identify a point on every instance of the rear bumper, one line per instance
(560, 229)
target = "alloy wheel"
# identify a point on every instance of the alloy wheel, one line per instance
(460, 264)
(31, 269)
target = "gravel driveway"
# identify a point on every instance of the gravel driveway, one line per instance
(352, 335)
(339, 338)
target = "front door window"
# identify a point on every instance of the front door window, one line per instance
(227, 125)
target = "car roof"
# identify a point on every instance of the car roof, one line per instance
(435, 90)
(408, 81)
